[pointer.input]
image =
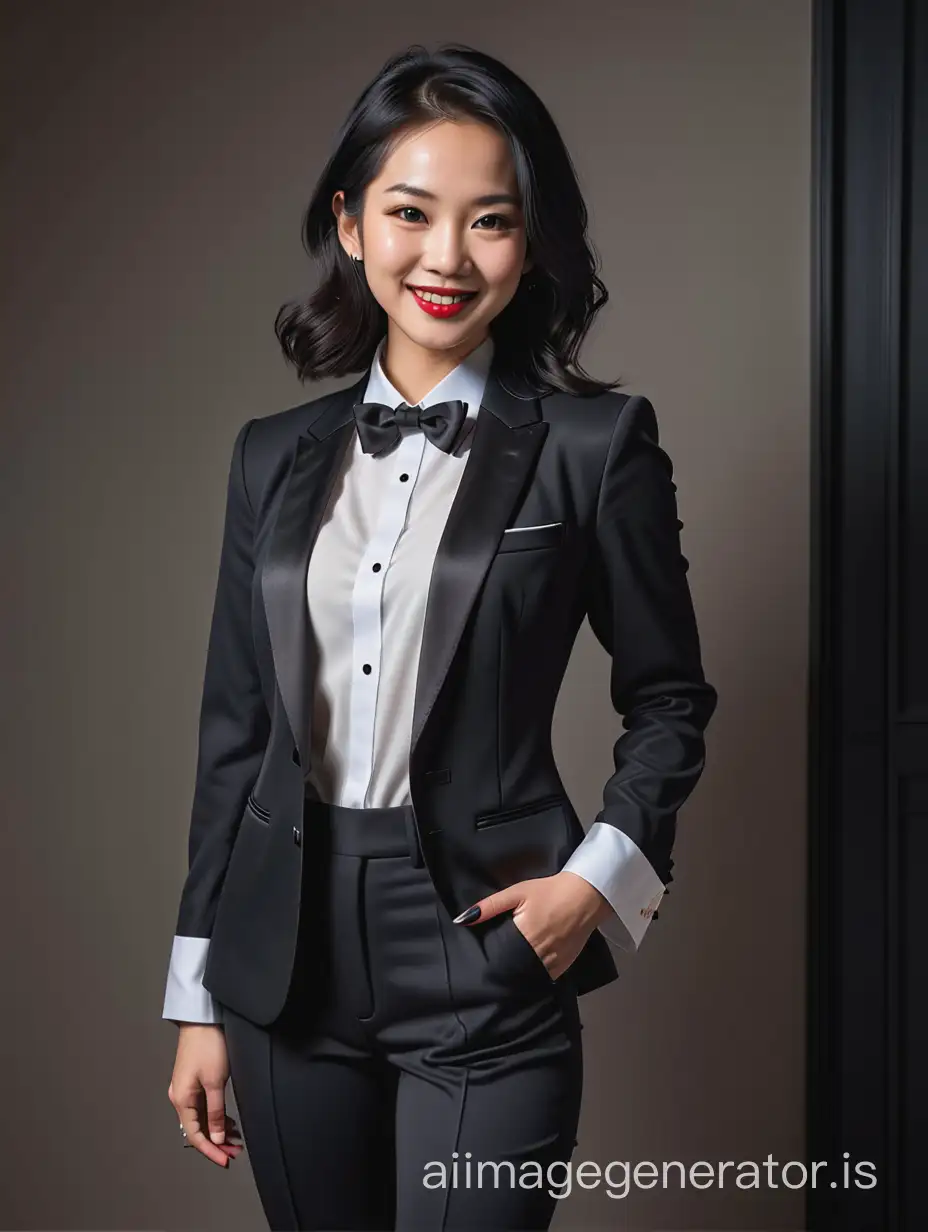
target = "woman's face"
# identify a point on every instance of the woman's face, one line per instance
(443, 213)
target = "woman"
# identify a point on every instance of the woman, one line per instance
(392, 907)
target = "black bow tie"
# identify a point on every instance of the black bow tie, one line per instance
(379, 425)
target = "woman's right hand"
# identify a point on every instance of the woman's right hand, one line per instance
(197, 1091)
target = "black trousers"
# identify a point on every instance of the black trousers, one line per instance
(423, 1075)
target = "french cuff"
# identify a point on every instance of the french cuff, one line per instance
(185, 998)
(616, 866)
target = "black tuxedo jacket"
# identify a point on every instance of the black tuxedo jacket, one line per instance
(502, 616)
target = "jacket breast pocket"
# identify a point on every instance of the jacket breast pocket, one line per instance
(525, 538)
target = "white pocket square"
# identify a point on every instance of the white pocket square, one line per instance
(510, 529)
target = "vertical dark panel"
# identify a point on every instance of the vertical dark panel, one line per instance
(868, 787)
(911, 663)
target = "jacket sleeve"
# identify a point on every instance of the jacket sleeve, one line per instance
(234, 730)
(640, 610)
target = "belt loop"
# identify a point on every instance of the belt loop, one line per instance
(412, 837)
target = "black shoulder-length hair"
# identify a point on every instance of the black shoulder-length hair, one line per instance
(537, 336)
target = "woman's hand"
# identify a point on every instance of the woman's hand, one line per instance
(197, 1091)
(555, 915)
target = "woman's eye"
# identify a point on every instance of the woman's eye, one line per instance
(504, 222)
(403, 209)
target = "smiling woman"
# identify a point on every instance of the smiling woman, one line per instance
(449, 178)
(439, 261)
(447, 244)
(392, 907)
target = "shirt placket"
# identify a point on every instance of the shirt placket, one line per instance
(401, 470)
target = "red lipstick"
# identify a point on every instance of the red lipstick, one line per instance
(441, 310)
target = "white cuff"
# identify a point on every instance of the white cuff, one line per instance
(185, 998)
(616, 866)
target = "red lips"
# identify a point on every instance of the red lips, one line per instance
(439, 310)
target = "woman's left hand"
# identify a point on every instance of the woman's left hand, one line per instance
(555, 915)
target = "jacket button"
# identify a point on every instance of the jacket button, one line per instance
(296, 836)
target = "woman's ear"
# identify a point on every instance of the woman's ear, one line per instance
(346, 225)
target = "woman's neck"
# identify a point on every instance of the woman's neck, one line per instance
(414, 370)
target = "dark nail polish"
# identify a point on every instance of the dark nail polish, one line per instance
(472, 913)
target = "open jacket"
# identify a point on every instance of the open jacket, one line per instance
(589, 476)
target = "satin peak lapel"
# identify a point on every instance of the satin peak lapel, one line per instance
(506, 441)
(318, 455)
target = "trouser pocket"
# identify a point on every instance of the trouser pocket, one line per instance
(514, 958)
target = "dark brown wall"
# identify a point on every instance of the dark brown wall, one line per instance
(156, 159)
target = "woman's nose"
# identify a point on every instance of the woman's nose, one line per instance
(445, 253)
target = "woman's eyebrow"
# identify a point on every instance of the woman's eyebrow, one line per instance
(488, 199)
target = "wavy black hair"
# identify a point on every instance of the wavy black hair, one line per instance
(537, 336)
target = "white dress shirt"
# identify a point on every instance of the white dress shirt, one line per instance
(368, 576)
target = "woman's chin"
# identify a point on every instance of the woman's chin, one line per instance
(434, 334)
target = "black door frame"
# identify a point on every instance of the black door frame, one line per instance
(868, 705)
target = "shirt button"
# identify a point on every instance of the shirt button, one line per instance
(403, 477)
(377, 567)
(366, 669)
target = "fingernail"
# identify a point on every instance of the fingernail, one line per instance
(467, 916)
(218, 1136)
